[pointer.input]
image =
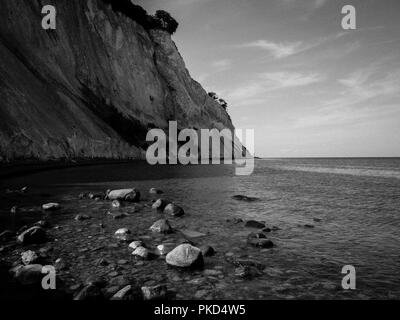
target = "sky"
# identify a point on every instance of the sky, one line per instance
(290, 71)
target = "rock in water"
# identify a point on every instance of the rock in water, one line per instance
(174, 210)
(116, 204)
(154, 293)
(254, 224)
(141, 252)
(207, 251)
(161, 226)
(165, 248)
(155, 191)
(160, 204)
(29, 257)
(30, 274)
(185, 256)
(53, 206)
(123, 234)
(244, 198)
(131, 195)
(135, 244)
(260, 243)
(32, 236)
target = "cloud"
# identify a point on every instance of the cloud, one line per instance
(256, 91)
(222, 65)
(277, 50)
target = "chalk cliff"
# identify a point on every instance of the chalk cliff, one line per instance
(94, 86)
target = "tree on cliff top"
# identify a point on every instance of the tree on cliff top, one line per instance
(167, 22)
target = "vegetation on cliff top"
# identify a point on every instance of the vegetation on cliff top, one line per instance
(161, 20)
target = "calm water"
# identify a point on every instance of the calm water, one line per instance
(356, 200)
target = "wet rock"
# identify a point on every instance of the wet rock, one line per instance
(124, 294)
(254, 224)
(123, 234)
(160, 204)
(266, 229)
(82, 217)
(116, 204)
(191, 233)
(185, 256)
(244, 198)
(53, 206)
(135, 244)
(158, 292)
(165, 248)
(32, 236)
(29, 257)
(161, 226)
(155, 191)
(207, 251)
(96, 196)
(7, 235)
(90, 292)
(174, 210)
(30, 274)
(141, 252)
(256, 235)
(131, 195)
(247, 272)
(260, 243)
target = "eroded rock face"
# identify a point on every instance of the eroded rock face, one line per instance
(91, 88)
(185, 256)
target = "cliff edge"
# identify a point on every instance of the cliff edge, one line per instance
(94, 86)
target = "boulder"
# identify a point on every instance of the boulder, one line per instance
(30, 274)
(29, 257)
(131, 195)
(174, 210)
(32, 236)
(53, 206)
(160, 204)
(254, 224)
(161, 226)
(185, 256)
(158, 292)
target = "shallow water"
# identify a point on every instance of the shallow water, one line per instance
(353, 205)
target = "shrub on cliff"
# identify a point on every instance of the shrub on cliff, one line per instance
(161, 20)
(166, 21)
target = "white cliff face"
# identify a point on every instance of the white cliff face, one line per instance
(92, 87)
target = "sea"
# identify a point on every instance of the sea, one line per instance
(329, 212)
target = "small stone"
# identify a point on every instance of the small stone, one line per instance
(123, 294)
(185, 256)
(200, 294)
(247, 272)
(131, 195)
(51, 206)
(207, 251)
(123, 234)
(29, 257)
(113, 274)
(211, 272)
(154, 292)
(254, 224)
(135, 244)
(161, 226)
(174, 210)
(141, 252)
(116, 204)
(122, 262)
(160, 204)
(30, 274)
(309, 226)
(244, 198)
(165, 248)
(83, 217)
(266, 230)
(155, 191)
(102, 262)
(260, 243)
